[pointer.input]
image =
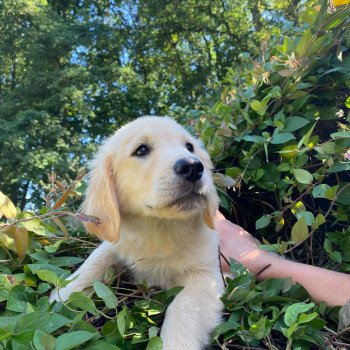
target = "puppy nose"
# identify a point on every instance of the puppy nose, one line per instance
(191, 169)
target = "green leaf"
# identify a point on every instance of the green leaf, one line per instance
(299, 103)
(169, 294)
(331, 193)
(303, 44)
(306, 318)
(336, 256)
(319, 220)
(34, 225)
(263, 222)
(343, 193)
(275, 92)
(224, 327)
(21, 341)
(307, 215)
(328, 113)
(5, 287)
(295, 123)
(305, 139)
(155, 343)
(18, 299)
(258, 107)
(303, 176)
(338, 167)
(283, 167)
(66, 260)
(327, 245)
(52, 248)
(100, 345)
(42, 321)
(295, 95)
(282, 138)
(48, 276)
(254, 138)
(71, 340)
(294, 310)
(43, 341)
(341, 135)
(121, 321)
(320, 190)
(300, 231)
(288, 46)
(9, 323)
(80, 300)
(347, 102)
(249, 92)
(233, 172)
(105, 293)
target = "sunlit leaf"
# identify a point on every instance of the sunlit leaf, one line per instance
(21, 241)
(340, 2)
(7, 208)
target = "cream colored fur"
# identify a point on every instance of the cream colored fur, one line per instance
(166, 242)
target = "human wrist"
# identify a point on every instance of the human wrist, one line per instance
(260, 263)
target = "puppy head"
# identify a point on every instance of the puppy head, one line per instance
(150, 167)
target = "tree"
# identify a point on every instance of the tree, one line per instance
(72, 71)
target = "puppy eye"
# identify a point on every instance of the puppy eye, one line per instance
(141, 151)
(189, 146)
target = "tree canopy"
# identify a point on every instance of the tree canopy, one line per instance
(72, 71)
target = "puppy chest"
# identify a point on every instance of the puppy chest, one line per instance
(157, 269)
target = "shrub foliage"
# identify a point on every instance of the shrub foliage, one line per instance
(281, 131)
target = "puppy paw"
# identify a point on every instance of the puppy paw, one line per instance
(62, 294)
(54, 296)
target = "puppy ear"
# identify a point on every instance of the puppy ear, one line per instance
(210, 210)
(101, 200)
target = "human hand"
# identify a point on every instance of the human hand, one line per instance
(237, 243)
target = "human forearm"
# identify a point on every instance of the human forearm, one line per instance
(323, 285)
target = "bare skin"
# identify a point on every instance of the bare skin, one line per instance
(323, 285)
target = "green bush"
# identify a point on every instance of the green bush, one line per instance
(281, 131)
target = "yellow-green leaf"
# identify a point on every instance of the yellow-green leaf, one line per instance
(300, 231)
(340, 2)
(7, 208)
(319, 220)
(21, 242)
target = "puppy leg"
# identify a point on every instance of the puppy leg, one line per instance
(195, 311)
(92, 269)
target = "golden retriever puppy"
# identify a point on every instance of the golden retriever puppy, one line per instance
(150, 185)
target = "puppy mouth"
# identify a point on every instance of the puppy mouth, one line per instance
(183, 202)
(186, 200)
